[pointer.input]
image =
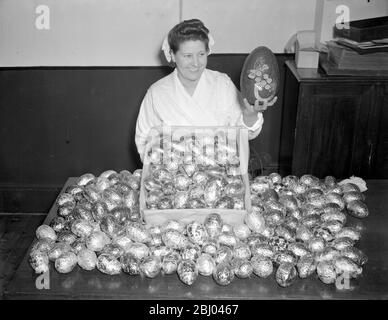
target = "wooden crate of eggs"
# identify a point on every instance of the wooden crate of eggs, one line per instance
(189, 172)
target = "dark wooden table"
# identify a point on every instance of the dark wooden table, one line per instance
(81, 284)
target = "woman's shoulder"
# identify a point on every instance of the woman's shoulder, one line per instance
(218, 77)
(163, 83)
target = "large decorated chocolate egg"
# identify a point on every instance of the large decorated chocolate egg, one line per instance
(260, 75)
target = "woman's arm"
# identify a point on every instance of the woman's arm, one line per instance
(146, 120)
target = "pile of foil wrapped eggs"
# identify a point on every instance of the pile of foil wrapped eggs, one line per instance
(297, 227)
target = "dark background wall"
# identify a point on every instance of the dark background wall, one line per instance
(62, 122)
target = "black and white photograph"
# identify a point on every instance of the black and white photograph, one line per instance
(194, 155)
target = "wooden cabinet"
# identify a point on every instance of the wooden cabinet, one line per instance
(334, 125)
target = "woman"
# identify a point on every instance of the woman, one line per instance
(193, 95)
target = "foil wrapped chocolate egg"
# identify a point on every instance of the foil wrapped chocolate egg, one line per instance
(111, 195)
(206, 264)
(259, 185)
(66, 262)
(235, 189)
(108, 225)
(335, 198)
(106, 174)
(124, 241)
(290, 180)
(330, 181)
(65, 199)
(196, 203)
(291, 223)
(187, 272)
(322, 232)
(137, 232)
(210, 247)
(172, 165)
(306, 266)
(349, 232)
(309, 180)
(66, 210)
(131, 199)
(328, 254)
(162, 175)
(311, 221)
(66, 236)
(174, 239)
(333, 226)
(263, 250)
(227, 239)
(113, 249)
(43, 245)
(284, 256)
(81, 228)
(342, 243)
(87, 259)
(130, 265)
(160, 251)
(83, 212)
(57, 250)
(134, 182)
(275, 177)
(352, 196)
(242, 231)
(92, 193)
(255, 221)
(137, 173)
(108, 264)
(303, 233)
(285, 232)
(196, 192)
(180, 200)
(58, 224)
(223, 274)
(150, 183)
(239, 203)
(355, 255)
(97, 241)
(326, 272)
(138, 250)
(153, 197)
(357, 209)
(289, 202)
(274, 217)
(189, 169)
(223, 255)
(39, 261)
(196, 232)
(262, 266)
(224, 202)
(200, 178)
(278, 243)
(213, 224)
(173, 224)
(316, 244)
(212, 193)
(274, 205)
(242, 268)
(191, 252)
(99, 210)
(170, 263)
(45, 231)
(337, 216)
(242, 251)
(349, 187)
(121, 214)
(169, 189)
(165, 203)
(182, 182)
(285, 274)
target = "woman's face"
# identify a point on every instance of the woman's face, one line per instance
(191, 59)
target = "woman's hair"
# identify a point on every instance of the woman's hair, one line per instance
(192, 29)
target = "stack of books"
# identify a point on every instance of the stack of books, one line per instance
(345, 57)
